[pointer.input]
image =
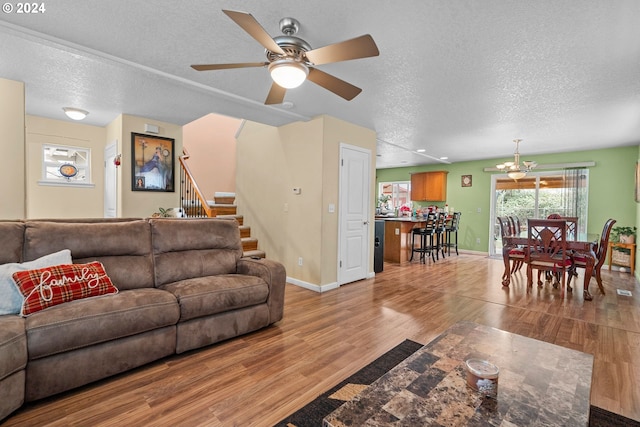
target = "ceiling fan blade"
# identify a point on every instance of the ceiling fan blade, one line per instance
(276, 94)
(255, 30)
(360, 47)
(207, 67)
(334, 84)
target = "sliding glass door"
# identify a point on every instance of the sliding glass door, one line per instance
(538, 195)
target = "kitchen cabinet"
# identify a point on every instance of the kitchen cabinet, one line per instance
(429, 186)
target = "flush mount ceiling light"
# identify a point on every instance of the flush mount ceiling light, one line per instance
(513, 169)
(75, 113)
(288, 73)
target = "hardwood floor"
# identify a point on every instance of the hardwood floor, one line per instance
(258, 379)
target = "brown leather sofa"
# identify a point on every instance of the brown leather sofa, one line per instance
(183, 284)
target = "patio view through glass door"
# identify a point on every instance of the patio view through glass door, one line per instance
(538, 195)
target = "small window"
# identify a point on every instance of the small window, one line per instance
(396, 194)
(62, 165)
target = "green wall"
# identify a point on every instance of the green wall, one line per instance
(611, 190)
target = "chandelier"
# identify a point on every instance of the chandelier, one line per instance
(513, 169)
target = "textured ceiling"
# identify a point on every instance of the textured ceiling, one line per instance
(459, 79)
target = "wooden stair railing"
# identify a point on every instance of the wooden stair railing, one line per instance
(192, 200)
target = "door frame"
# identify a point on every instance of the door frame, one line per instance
(110, 151)
(341, 213)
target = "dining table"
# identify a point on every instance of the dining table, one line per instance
(581, 244)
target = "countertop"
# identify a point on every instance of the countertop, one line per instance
(400, 219)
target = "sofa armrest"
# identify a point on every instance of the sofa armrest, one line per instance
(274, 274)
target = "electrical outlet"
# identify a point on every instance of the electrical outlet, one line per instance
(300, 261)
(477, 241)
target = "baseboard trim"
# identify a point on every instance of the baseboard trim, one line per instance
(312, 286)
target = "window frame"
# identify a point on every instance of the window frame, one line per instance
(395, 201)
(60, 181)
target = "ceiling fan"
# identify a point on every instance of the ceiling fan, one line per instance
(291, 60)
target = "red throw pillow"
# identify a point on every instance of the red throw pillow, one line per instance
(49, 286)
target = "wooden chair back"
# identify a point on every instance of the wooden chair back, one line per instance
(546, 239)
(506, 226)
(601, 252)
(515, 223)
(572, 225)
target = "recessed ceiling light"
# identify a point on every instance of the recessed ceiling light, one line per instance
(420, 150)
(75, 113)
(444, 158)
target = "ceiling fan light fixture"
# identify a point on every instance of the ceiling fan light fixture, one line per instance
(288, 73)
(75, 113)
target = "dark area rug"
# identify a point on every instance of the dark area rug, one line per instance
(602, 418)
(313, 413)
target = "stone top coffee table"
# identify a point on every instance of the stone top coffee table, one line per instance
(539, 384)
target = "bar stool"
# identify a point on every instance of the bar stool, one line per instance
(426, 236)
(452, 228)
(440, 232)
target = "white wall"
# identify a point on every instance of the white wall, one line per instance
(211, 143)
(12, 147)
(44, 201)
(270, 163)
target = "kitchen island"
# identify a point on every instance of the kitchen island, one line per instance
(397, 237)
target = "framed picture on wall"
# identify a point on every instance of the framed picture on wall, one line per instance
(152, 163)
(637, 182)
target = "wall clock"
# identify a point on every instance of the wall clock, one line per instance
(466, 180)
(68, 170)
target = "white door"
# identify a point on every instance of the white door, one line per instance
(110, 181)
(354, 228)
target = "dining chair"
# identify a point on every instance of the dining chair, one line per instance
(572, 224)
(547, 249)
(579, 260)
(516, 255)
(572, 234)
(572, 227)
(515, 222)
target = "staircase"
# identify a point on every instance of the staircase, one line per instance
(224, 208)
(195, 205)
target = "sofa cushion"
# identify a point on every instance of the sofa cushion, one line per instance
(203, 296)
(13, 345)
(123, 247)
(90, 321)
(45, 287)
(187, 248)
(10, 296)
(11, 238)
